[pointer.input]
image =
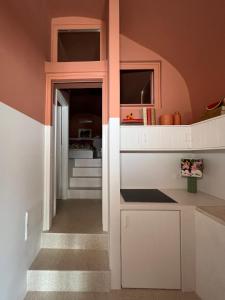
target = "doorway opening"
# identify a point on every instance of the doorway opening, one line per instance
(77, 186)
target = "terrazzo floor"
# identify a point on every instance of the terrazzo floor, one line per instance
(84, 216)
(67, 260)
(78, 216)
(124, 294)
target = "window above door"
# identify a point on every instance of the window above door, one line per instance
(76, 39)
(78, 45)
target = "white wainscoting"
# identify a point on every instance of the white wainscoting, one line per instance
(21, 190)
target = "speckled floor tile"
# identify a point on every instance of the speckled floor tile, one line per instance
(124, 294)
(67, 259)
(78, 216)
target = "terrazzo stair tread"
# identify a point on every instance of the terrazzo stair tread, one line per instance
(87, 172)
(124, 294)
(71, 260)
(86, 188)
(85, 193)
(68, 281)
(66, 296)
(95, 167)
(85, 182)
(87, 162)
(86, 176)
(74, 240)
(78, 216)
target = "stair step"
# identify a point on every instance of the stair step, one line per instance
(67, 259)
(87, 172)
(79, 162)
(85, 193)
(122, 294)
(68, 281)
(69, 270)
(85, 182)
(77, 153)
(66, 296)
(86, 177)
(74, 241)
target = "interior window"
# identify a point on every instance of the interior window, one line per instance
(78, 45)
(136, 87)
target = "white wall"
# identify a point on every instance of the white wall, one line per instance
(152, 170)
(214, 173)
(21, 190)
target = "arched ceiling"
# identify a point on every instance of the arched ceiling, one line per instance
(190, 34)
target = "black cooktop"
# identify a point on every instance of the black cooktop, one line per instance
(145, 195)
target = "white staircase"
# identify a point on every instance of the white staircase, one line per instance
(70, 262)
(85, 178)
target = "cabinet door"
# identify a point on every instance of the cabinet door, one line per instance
(209, 134)
(150, 242)
(147, 138)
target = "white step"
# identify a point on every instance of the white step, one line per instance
(77, 153)
(85, 193)
(82, 182)
(74, 241)
(69, 270)
(68, 296)
(68, 281)
(87, 172)
(88, 162)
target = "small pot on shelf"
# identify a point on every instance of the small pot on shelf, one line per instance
(166, 119)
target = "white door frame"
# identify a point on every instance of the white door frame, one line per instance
(50, 161)
(49, 203)
(62, 147)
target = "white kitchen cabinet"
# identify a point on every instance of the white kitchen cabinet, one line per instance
(210, 258)
(147, 138)
(209, 134)
(150, 248)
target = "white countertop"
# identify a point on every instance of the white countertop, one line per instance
(211, 206)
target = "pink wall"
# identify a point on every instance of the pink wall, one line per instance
(189, 34)
(23, 51)
(174, 91)
(83, 8)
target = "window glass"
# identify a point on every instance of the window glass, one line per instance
(78, 45)
(136, 86)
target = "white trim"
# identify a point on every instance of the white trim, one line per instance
(59, 153)
(50, 164)
(60, 98)
(47, 178)
(65, 150)
(105, 192)
(114, 197)
(54, 144)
